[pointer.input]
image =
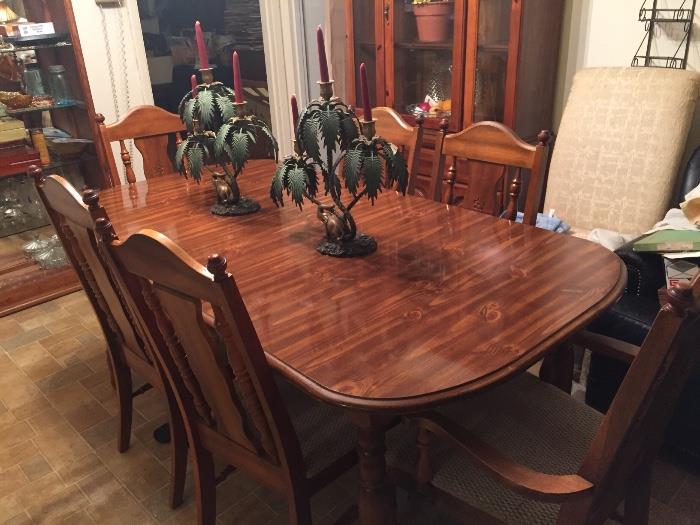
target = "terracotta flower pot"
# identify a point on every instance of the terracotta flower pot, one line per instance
(433, 21)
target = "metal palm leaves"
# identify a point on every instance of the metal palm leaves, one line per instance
(240, 136)
(220, 133)
(211, 107)
(327, 135)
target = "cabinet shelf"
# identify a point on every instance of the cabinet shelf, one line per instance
(33, 109)
(429, 46)
(18, 45)
(63, 163)
(493, 48)
(34, 47)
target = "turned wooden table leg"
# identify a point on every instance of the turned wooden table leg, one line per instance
(558, 367)
(376, 505)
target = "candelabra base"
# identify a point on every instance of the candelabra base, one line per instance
(359, 246)
(244, 206)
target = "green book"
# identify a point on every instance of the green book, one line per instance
(669, 241)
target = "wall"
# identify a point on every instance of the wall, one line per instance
(601, 33)
(115, 31)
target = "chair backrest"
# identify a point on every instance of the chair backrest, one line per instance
(409, 139)
(632, 430)
(620, 145)
(493, 175)
(150, 128)
(74, 224)
(217, 370)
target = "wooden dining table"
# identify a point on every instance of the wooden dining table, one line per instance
(452, 302)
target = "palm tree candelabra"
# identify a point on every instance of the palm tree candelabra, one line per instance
(220, 133)
(329, 133)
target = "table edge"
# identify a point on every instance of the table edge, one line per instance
(405, 405)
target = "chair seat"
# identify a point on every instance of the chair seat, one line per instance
(325, 434)
(525, 418)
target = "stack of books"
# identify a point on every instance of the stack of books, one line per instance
(12, 131)
(669, 241)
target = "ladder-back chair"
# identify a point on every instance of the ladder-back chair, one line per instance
(526, 452)
(231, 406)
(73, 218)
(491, 179)
(150, 127)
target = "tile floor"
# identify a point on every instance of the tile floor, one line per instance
(58, 457)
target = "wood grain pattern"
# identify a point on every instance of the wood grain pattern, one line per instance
(451, 302)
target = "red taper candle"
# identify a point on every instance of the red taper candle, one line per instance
(295, 112)
(201, 47)
(364, 86)
(193, 82)
(237, 82)
(322, 61)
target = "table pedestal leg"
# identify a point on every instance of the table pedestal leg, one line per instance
(558, 367)
(376, 505)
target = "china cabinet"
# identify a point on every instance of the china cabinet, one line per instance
(496, 60)
(58, 127)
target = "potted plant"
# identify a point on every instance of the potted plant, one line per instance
(433, 19)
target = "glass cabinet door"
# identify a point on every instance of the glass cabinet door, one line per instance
(422, 48)
(491, 69)
(364, 40)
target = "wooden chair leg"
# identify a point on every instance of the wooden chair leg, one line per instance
(123, 384)
(204, 485)
(638, 496)
(558, 368)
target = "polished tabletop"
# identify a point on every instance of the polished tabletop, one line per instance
(452, 300)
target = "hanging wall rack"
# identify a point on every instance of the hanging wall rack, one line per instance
(651, 16)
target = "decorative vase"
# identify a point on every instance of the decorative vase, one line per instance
(433, 21)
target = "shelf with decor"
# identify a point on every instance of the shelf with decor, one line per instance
(33, 109)
(50, 120)
(464, 61)
(32, 47)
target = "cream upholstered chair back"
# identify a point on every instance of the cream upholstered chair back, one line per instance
(619, 147)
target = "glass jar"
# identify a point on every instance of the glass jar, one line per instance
(33, 83)
(60, 90)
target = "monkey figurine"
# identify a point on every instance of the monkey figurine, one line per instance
(224, 192)
(335, 228)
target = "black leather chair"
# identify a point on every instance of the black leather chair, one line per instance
(629, 321)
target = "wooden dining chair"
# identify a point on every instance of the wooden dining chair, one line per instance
(526, 452)
(409, 139)
(74, 219)
(502, 156)
(211, 357)
(150, 127)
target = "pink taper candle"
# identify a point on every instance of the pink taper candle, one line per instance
(193, 81)
(364, 86)
(322, 61)
(201, 47)
(237, 82)
(295, 112)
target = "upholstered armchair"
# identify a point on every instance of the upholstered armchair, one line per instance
(616, 165)
(620, 146)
